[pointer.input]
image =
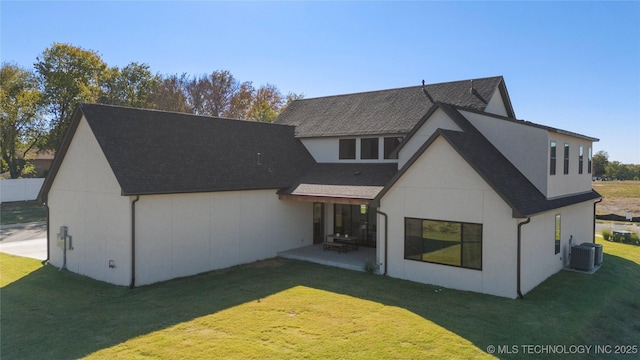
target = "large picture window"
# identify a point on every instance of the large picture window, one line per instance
(443, 242)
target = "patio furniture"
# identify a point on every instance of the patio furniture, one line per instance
(350, 241)
(622, 236)
(330, 244)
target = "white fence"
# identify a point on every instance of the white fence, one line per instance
(20, 189)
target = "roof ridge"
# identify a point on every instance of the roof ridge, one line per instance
(83, 104)
(400, 88)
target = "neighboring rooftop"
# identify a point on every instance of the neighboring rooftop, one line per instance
(394, 111)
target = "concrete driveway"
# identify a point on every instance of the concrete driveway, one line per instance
(28, 240)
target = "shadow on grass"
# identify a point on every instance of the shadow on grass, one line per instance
(60, 315)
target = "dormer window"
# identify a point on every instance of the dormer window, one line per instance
(347, 149)
(369, 148)
(390, 144)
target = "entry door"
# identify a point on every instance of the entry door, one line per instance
(318, 223)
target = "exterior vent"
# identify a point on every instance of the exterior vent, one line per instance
(582, 257)
(598, 254)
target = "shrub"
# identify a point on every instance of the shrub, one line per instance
(369, 267)
(634, 238)
(606, 234)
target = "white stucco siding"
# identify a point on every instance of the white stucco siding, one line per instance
(85, 197)
(186, 234)
(322, 149)
(438, 120)
(525, 146)
(539, 260)
(496, 104)
(440, 185)
(562, 184)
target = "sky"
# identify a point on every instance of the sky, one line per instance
(569, 65)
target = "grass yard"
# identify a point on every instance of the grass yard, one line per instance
(290, 309)
(22, 212)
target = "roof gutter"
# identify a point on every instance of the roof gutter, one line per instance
(48, 232)
(133, 242)
(594, 219)
(386, 233)
(519, 274)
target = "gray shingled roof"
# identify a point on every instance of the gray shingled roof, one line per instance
(508, 182)
(359, 181)
(394, 111)
(157, 152)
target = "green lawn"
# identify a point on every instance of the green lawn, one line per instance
(22, 212)
(290, 309)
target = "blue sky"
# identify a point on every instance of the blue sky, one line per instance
(571, 65)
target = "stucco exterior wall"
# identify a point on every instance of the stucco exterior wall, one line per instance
(442, 186)
(539, 260)
(524, 146)
(438, 120)
(85, 197)
(186, 234)
(496, 104)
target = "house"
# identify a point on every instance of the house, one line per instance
(441, 179)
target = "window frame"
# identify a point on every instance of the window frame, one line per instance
(565, 170)
(557, 233)
(552, 157)
(345, 147)
(581, 160)
(372, 146)
(390, 144)
(461, 242)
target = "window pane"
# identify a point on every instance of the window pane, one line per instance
(589, 162)
(580, 160)
(557, 235)
(441, 242)
(413, 239)
(552, 160)
(369, 148)
(566, 159)
(390, 144)
(347, 148)
(472, 246)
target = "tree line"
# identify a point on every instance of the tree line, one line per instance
(614, 170)
(37, 104)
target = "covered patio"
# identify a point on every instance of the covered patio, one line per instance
(352, 260)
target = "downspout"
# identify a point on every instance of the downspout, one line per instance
(520, 255)
(48, 232)
(386, 234)
(133, 242)
(594, 219)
